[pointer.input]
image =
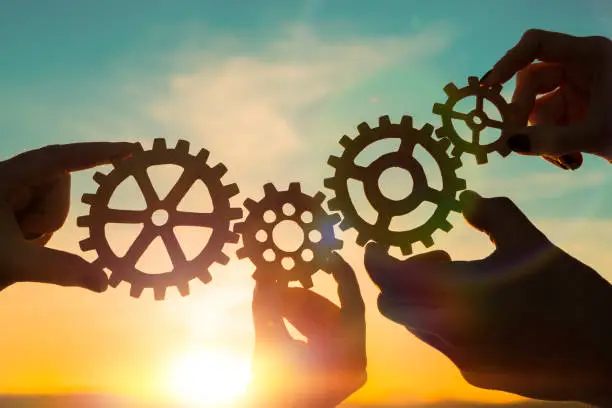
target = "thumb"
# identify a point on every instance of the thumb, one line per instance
(554, 140)
(501, 219)
(46, 265)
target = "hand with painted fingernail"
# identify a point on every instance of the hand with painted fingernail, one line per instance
(563, 91)
(528, 319)
(326, 369)
(34, 203)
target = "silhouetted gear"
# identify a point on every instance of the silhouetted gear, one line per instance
(477, 119)
(347, 169)
(257, 234)
(194, 168)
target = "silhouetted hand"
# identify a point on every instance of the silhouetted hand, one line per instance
(326, 369)
(528, 319)
(575, 113)
(34, 203)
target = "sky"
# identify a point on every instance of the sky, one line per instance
(269, 87)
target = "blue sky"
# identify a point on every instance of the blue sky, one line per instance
(270, 87)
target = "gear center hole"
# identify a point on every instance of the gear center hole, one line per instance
(477, 120)
(395, 183)
(288, 236)
(160, 217)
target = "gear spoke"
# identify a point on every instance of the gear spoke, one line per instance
(177, 256)
(459, 115)
(139, 246)
(179, 190)
(432, 195)
(183, 218)
(476, 136)
(383, 220)
(358, 172)
(479, 103)
(144, 182)
(494, 123)
(112, 215)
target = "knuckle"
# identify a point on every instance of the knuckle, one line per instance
(532, 35)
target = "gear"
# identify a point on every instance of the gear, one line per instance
(346, 168)
(477, 120)
(274, 208)
(194, 168)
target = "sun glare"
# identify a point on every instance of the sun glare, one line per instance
(209, 378)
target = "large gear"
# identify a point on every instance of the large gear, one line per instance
(477, 119)
(194, 168)
(279, 206)
(346, 169)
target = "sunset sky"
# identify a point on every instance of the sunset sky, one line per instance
(269, 87)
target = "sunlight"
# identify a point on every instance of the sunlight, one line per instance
(209, 378)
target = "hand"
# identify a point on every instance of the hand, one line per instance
(575, 113)
(331, 365)
(34, 203)
(528, 319)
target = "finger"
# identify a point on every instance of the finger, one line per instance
(543, 45)
(313, 315)
(267, 313)
(46, 265)
(47, 162)
(532, 81)
(349, 294)
(48, 208)
(501, 219)
(556, 140)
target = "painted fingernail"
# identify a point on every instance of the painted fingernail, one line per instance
(519, 143)
(485, 76)
(556, 162)
(570, 161)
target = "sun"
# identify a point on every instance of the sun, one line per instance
(209, 378)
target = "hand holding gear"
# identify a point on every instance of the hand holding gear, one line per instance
(194, 168)
(271, 260)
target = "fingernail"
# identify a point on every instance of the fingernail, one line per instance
(556, 162)
(485, 76)
(519, 143)
(468, 198)
(570, 161)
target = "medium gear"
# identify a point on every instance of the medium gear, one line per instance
(477, 120)
(278, 206)
(346, 168)
(194, 168)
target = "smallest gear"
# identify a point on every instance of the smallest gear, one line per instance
(477, 119)
(276, 207)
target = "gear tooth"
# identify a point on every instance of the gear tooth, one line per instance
(249, 204)
(329, 183)
(88, 198)
(438, 108)
(457, 151)
(159, 292)
(407, 121)
(232, 190)
(138, 147)
(497, 88)
(136, 290)
(222, 259)
(294, 187)
(232, 237)
(235, 213)
(242, 253)
(183, 289)
(99, 177)
(345, 141)
(114, 280)
(203, 155)
(336, 244)
(445, 226)
(450, 89)
(239, 227)
(406, 249)
(504, 151)
(117, 162)
(384, 122)
(442, 133)
(334, 161)
(306, 282)
(333, 204)
(182, 146)
(362, 239)
(82, 221)
(427, 241)
(86, 245)
(345, 224)
(455, 205)
(455, 162)
(220, 169)
(460, 184)
(427, 129)
(318, 198)
(257, 275)
(269, 189)
(443, 144)
(332, 219)
(205, 276)
(159, 144)
(473, 81)
(363, 128)
(481, 158)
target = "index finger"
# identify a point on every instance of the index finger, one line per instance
(32, 166)
(349, 294)
(543, 45)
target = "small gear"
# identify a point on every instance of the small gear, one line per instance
(346, 169)
(477, 119)
(194, 168)
(307, 212)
